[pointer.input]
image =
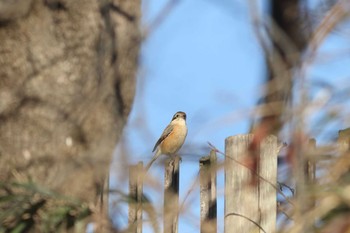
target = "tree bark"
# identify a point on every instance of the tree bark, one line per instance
(67, 82)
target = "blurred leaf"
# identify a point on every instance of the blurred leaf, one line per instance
(24, 206)
(19, 228)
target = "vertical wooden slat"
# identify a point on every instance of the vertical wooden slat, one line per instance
(310, 166)
(213, 200)
(344, 140)
(269, 150)
(250, 208)
(135, 195)
(171, 195)
(241, 199)
(310, 176)
(208, 204)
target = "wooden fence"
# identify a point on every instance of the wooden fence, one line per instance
(248, 208)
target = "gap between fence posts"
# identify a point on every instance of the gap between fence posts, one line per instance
(208, 204)
(135, 198)
(171, 195)
(250, 208)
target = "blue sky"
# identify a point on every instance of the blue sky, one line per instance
(203, 59)
(204, 62)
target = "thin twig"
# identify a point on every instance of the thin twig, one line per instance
(245, 217)
(253, 172)
(160, 18)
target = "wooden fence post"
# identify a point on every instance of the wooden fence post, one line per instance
(310, 167)
(250, 208)
(171, 195)
(310, 163)
(269, 149)
(208, 204)
(135, 198)
(344, 140)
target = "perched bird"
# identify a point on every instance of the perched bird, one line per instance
(173, 137)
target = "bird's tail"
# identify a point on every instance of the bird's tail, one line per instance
(156, 155)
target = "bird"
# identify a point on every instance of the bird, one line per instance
(172, 138)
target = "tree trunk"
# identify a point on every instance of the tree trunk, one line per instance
(67, 82)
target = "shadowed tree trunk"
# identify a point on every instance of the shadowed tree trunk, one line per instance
(67, 82)
(288, 36)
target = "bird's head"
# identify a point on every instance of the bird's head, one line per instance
(179, 116)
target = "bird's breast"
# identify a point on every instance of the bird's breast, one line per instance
(172, 144)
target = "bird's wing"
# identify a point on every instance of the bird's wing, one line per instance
(165, 134)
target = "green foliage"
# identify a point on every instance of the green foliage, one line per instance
(28, 207)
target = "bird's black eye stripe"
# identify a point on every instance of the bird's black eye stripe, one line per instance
(179, 115)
